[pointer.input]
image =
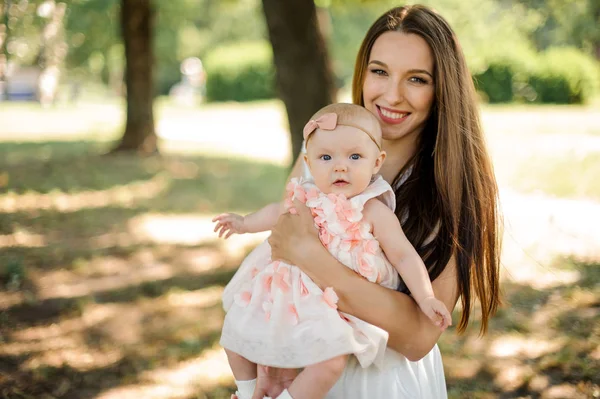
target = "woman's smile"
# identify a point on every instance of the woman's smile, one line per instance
(390, 116)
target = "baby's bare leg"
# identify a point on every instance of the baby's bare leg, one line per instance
(243, 369)
(316, 380)
(244, 372)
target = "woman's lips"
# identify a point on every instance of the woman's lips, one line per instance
(390, 116)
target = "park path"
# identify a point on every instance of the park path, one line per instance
(539, 228)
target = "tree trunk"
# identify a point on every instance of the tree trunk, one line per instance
(136, 29)
(4, 35)
(304, 77)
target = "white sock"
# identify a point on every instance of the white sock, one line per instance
(245, 389)
(284, 395)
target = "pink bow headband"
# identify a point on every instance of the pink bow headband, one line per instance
(329, 122)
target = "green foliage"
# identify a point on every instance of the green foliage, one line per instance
(504, 77)
(240, 72)
(496, 82)
(348, 28)
(184, 28)
(565, 23)
(558, 75)
(565, 76)
(13, 273)
(192, 28)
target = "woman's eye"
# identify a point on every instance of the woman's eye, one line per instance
(355, 157)
(416, 79)
(325, 157)
(380, 72)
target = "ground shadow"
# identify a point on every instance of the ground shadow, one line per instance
(541, 344)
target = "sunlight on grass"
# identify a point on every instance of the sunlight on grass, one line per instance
(29, 121)
(517, 345)
(207, 297)
(184, 380)
(188, 230)
(95, 244)
(22, 238)
(125, 196)
(61, 285)
(249, 132)
(565, 175)
(538, 228)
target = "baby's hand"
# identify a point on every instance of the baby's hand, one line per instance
(437, 312)
(229, 223)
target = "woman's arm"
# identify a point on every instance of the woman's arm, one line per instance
(294, 240)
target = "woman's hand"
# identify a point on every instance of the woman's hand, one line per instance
(272, 381)
(294, 236)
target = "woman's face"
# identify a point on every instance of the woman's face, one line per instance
(399, 87)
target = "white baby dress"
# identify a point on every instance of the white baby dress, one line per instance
(276, 315)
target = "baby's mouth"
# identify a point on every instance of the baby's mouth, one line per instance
(340, 183)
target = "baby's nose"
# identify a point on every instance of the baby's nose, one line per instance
(341, 167)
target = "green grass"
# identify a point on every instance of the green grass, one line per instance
(571, 333)
(561, 175)
(77, 265)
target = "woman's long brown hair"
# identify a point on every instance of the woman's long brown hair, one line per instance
(451, 191)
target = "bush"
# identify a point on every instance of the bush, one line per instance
(240, 72)
(558, 75)
(565, 76)
(504, 79)
(496, 82)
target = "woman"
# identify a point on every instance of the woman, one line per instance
(411, 73)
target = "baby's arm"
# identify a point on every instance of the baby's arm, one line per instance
(262, 220)
(403, 256)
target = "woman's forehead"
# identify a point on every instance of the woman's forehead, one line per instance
(402, 50)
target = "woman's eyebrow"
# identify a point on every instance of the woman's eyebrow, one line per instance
(383, 64)
(421, 71)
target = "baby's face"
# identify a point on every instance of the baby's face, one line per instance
(342, 161)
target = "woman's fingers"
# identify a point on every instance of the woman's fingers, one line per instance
(301, 208)
(305, 218)
(259, 393)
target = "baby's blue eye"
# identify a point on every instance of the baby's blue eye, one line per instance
(355, 157)
(326, 157)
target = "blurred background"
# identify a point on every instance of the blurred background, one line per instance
(126, 125)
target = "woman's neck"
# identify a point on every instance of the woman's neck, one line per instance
(399, 152)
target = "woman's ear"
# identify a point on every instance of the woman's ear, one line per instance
(379, 161)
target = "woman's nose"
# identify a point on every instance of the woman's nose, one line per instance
(394, 93)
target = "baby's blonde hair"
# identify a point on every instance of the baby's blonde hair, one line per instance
(353, 115)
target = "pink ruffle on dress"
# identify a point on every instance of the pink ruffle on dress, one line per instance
(277, 316)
